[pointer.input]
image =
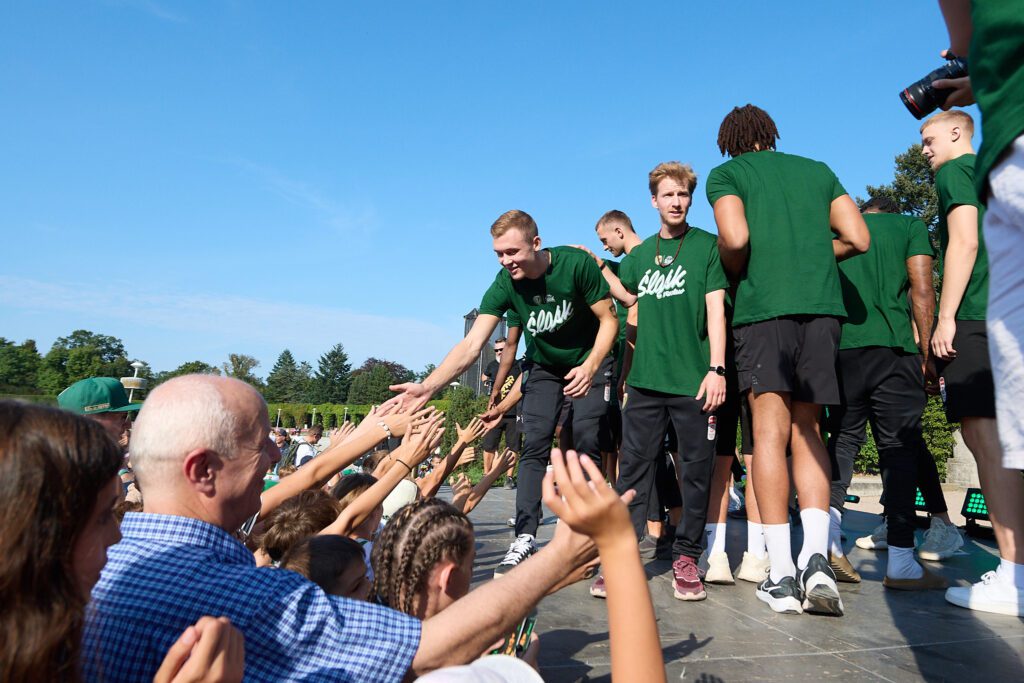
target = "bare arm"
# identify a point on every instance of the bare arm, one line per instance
(581, 377)
(414, 395)
(430, 484)
(961, 253)
(508, 359)
(922, 298)
(957, 14)
(713, 385)
(852, 236)
(493, 415)
(502, 463)
(614, 284)
(733, 234)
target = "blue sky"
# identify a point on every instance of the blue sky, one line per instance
(201, 178)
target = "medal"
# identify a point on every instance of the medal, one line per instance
(665, 261)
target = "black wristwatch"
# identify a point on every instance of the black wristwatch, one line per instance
(604, 264)
(718, 370)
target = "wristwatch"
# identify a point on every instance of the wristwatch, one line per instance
(718, 370)
(604, 264)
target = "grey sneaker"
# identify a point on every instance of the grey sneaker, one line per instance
(941, 541)
(876, 540)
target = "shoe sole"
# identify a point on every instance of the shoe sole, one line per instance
(689, 597)
(787, 605)
(724, 580)
(843, 576)
(992, 608)
(823, 600)
(750, 578)
(868, 545)
(599, 594)
(939, 556)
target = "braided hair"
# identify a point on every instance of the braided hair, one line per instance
(746, 129)
(418, 537)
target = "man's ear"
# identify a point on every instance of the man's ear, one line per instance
(444, 575)
(201, 468)
(536, 243)
(955, 133)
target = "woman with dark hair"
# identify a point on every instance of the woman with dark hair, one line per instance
(59, 485)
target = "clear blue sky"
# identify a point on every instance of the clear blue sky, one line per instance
(200, 178)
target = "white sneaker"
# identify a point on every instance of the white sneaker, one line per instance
(991, 594)
(511, 522)
(736, 500)
(719, 570)
(753, 568)
(941, 541)
(876, 541)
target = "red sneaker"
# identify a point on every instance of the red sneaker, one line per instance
(597, 588)
(687, 584)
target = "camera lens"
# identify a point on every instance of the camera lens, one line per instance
(921, 98)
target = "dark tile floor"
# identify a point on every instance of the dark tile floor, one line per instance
(731, 636)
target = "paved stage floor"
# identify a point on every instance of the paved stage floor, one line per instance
(731, 636)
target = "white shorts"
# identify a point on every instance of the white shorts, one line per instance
(1004, 240)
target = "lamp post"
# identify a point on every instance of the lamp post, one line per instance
(134, 382)
(278, 417)
(312, 420)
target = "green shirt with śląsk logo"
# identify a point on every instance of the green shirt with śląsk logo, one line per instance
(672, 352)
(554, 309)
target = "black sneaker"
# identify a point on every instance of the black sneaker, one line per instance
(818, 583)
(521, 548)
(783, 597)
(648, 547)
(510, 483)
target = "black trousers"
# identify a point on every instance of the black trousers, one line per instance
(542, 402)
(645, 417)
(883, 386)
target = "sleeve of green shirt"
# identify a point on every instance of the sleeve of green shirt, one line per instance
(590, 282)
(627, 273)
(715, 278)
(495, 301)
(720, 183)
(512, 319)
(837, 187)
(919, 244)
(955, 187)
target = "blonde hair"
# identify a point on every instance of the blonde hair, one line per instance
(955, 117)
(515, 220)
(681, 173)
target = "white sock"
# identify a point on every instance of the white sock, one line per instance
(902, 564)
(780, 555)
(1011, 573)
(755, 540)
(835, 532)
(815, 523)
(716, 538)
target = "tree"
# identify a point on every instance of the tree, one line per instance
(192, 367)
(80, 355)
(399, 372)
(912, 187)
(108, 348)
(19, 364)
(287, 381)
(426, 372)
(240, 366)
(371, 386)
(333, 377)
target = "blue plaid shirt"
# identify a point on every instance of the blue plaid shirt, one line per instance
(169, 571)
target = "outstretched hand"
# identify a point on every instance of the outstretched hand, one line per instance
(490, 418)
(212, 650)
(473, 431)
(583, 500)
(504, 462)
(411, 395)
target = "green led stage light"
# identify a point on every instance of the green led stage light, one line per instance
(919, 503)
(850, 498)
(974, 505)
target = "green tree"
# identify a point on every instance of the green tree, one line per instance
(912, 187)
(79, 355)
(399, 372)
(463, 406)
(192, 367)
(426, 372)
(19, 364)
(333, 377)
(240, 366)
(371, 386)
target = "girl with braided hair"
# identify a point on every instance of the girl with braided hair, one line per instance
(423, 560)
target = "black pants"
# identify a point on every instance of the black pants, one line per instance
(884, 386)
(542, 401)
(645, 417)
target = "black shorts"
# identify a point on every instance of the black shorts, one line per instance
(609, 435)
(965, 383)
(733, 414)
(510, 428)
(794, 354)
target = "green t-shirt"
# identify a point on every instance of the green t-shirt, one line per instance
(792, 268)
(997, 78)
(875, 284)
(954, 184)
(672, 351)
(555, 310)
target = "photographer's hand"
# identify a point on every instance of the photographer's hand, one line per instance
(962, 95)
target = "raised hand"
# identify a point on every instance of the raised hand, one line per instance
(491, 417)
(467, 457)
(473, 431)
(212, 650)
(583, 500)
(341, 433)
(411, 395)
(504, 462)
(401, 423)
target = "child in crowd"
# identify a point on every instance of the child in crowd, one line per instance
(296, 518)
(335, 563)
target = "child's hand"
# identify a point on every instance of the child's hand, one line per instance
(504, 462)
(588, 506)
(473, 431)
(467, 457)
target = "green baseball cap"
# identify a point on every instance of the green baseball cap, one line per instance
(96, 395)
